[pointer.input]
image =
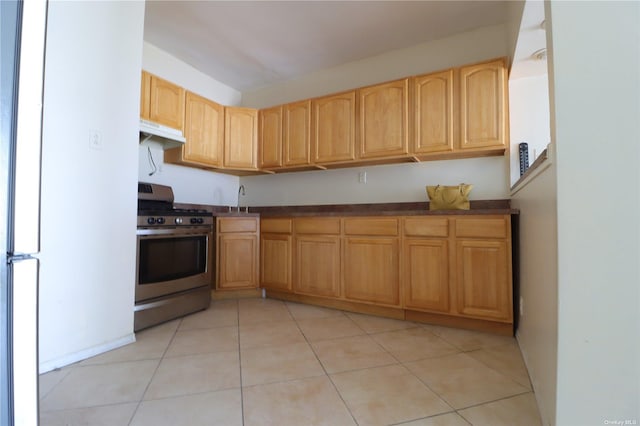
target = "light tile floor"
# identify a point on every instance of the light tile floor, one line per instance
(266, 362)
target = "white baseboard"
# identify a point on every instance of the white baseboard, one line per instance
(84, 354)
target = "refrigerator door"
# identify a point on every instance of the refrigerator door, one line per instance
(24, 272)
(26, 201)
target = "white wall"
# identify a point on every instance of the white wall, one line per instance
(189, 185)
(460, 49)
(528, 118)
(391, 183)
(88, 234)
(385, 184)
(538, 263)
(596, 79)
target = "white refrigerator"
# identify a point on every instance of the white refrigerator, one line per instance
(22, 30)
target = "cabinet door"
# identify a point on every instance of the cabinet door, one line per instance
(271, 137)
(426, 274)
(297, 134)
(334, 129)
(371, 270)
(317, 265)
(483, 105)
(383, 119)
(433, 104)
(483, 279)
(275, 261)
(237, 261)
(145, 95)
(166, 103)
(204, 131)
(240, 138)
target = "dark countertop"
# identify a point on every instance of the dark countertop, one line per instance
(478, 207)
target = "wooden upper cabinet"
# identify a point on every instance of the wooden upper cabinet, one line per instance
(240, 138)
(204, 131)
(270, 120)
(433, 109)
(297, 133)
(162, 102)
(483, 105)
(383, 119)
(334, 129)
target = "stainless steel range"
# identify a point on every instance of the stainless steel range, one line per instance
(174, 258)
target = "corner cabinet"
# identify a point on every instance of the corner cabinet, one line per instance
(383, 120)
(204, 132)
(240, 138)
(334, 128)
(276, 244)
(237, 252)
(162, 101)
(297, 134)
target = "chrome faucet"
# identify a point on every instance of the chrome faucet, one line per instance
(240, 190)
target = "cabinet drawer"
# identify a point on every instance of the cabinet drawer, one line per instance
(482, 227)
(237, 225)
(370, 226)
(426, 227)
(317, 226)
(276, 226)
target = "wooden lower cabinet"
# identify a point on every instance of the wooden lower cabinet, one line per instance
(483, 282)
(317, 265)
(452, 270)
(237, 253)
(275, 261)
(371, 270)
(426, 274)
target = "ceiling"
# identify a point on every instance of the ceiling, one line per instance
(252, 44)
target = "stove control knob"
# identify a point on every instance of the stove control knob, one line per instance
(178, 221)
(151, 220)
(193, 220)
(200, 220)
(160, 220)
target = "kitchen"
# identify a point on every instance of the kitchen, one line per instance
(85, 298)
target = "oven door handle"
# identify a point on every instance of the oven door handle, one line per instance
(151, 305)
(174, 231)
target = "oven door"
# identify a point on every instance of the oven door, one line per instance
(172, 260)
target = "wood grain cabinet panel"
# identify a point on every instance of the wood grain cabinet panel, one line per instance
(297, 133)
(371, 270)
(483, 284)
(270, 120)
(383, 119)
(237, 252)
(317, 270)
(204, 132)
(426, 274)
(275, 261)
(238, 261)
(162, 102)
(371, 226)
(433, 109)
(483, 105)
(426, 227)
(240, 138)
(334, 128)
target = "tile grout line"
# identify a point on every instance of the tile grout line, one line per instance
(154, 372)
(327, 375)
(240, 363)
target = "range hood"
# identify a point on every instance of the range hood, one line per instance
(169, 137)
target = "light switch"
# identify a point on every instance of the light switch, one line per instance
(362, 177)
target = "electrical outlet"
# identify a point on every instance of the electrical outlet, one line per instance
(95, 140)
(362, 177)
(521, 306)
